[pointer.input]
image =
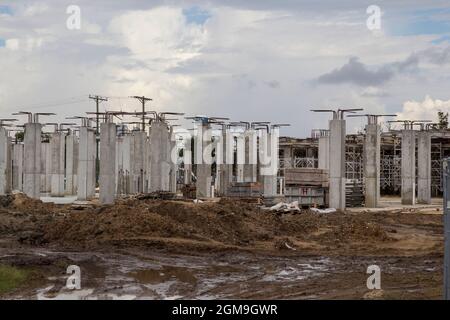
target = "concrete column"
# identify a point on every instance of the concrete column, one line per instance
(46, 167)
(32, 160)
(203, 160)
(424, 167)
(118, 169)
(187, 155)
(86, 164)
(107, 181)
(17, 167)
(324, 152)
(226, 163)
(408, 167)
(268, 155)
(148, 165)
(92, 167)
(372, 165)
(46, 160)
(217, 147)
(138, 162)
(46, 176)
(240, 157)
(173, 161)
(71, 164)
(159, 157)
(57, 145)
(5, 162)
(251, 156)
(337, 163)
(124, 160)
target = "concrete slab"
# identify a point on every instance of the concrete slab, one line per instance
(59, 200)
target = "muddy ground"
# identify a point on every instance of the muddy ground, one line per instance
(155, 249)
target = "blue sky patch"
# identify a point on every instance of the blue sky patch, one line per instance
(196, 15)
(420, 22)
(445, 38)
(5, 10)
(2, 42)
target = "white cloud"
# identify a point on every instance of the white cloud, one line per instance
(423, 110)
(27, 44)
(160, 36)
(35, 9)
(12, 44)
(247, 61)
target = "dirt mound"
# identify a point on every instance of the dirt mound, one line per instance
(22, 202)
(344, 228)
(6, 200)
(226, 224)
(24, 218)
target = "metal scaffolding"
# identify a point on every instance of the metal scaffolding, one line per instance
(299, 153)
(354, 158)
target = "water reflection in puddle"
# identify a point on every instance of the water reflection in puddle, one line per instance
(160, 276)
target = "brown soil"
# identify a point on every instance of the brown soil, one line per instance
(230, 226)
(226, 224)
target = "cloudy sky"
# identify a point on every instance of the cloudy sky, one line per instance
(255, 60)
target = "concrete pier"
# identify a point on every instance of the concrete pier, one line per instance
(240, 158)
(215, 169)
(324, 151)
(251, 156)
(124, 153)
(138, 161)
(372, 165)
(17, 167)
(86, 164)
(337, 165)
(57, 145)
(173, 150)
(32, 160)
(187, 160)
(268, 155)
(203, 160)
(408, 167)
(46, 167)
(159, 157)
(5, 162)
(424, 167)
(107, 179)
(225, 171)
(71, 164)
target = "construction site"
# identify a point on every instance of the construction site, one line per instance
(221, 209)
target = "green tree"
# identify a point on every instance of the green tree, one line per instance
(442, 120)
(19, 136)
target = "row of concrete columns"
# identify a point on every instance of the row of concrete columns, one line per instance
(264, 155)
(332, 158)
(408, 166)
(132, 163)
(35, 167)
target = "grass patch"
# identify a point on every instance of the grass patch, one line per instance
(11, 278)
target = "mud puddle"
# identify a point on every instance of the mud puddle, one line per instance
(166, 276)
(137, 274)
